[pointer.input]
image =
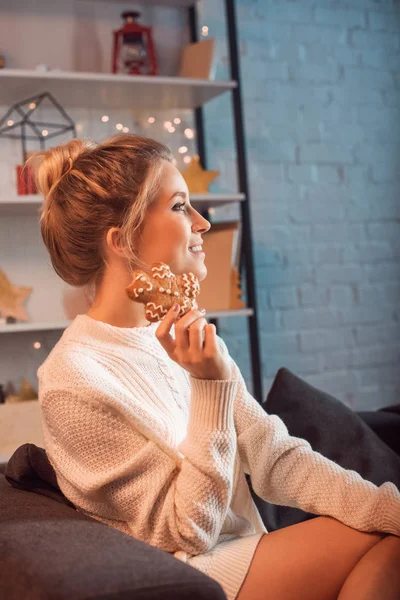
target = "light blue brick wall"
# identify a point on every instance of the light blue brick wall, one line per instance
(321, 89)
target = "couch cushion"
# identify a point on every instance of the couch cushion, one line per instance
(385, 422)
(49, 550)
(30, 469)
(333, 430)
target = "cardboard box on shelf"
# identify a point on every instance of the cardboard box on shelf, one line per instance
(198, 60)
(219, 290)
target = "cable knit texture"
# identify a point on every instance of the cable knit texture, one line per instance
(140, 445)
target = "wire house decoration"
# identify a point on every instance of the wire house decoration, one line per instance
(20, 122)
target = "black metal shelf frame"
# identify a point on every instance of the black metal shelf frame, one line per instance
(246, 254)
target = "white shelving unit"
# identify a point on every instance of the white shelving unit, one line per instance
(106, 90)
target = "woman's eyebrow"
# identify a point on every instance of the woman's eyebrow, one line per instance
(179, 195)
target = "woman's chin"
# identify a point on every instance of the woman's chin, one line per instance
(199, 270)
(201, 276)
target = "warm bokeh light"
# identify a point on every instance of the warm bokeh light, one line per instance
(183, 149)
(105, 118)
(189, 133)
(119, 126)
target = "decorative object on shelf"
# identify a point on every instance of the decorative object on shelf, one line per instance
(27, 393)
(2, 394)
(160, 290)
(197, 178)
(12, 299)
(197, 60)
(133, 50)
(42, 67)
(219, 290)
(2, 62)
(21, 122)
(10, 390)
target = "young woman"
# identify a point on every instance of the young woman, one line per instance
(150, 427)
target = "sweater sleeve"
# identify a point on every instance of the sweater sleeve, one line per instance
(109, 469)
(285, 470)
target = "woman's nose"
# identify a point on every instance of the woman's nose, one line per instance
(201, 225)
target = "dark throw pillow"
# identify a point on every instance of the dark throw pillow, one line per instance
(386, 424)
(333, 430)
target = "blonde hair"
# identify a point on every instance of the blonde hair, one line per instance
(87, 189)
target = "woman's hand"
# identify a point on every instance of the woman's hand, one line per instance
(195, 347)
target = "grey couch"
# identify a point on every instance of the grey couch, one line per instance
(51, 551)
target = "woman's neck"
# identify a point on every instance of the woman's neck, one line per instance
(112, 305)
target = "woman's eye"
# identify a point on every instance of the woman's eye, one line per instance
(180, 206)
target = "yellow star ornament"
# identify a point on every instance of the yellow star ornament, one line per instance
(12, 299)
(198, 179)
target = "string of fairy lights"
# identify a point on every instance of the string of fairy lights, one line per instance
(169, 126)
(172, 127)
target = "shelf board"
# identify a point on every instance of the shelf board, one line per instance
(30, 205)
(109, 91)
(170, 3)
(60, 325)
(28, 327)
(223, 314)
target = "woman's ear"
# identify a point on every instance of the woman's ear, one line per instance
(114, 242)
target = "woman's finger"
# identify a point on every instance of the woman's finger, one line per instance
(163, 331)
(182, 327)
(196, 336)
(210, 340)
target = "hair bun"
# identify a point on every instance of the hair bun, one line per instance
(51, 165)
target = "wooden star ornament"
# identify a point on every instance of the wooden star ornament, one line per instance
(198, 179)
(12, 298)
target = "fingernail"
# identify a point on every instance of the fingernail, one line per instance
(175, 308)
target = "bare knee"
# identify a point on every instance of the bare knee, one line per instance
(377, 574)
(309, 560)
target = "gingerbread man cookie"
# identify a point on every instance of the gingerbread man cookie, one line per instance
(160, 290)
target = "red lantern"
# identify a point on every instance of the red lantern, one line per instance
(133, 51)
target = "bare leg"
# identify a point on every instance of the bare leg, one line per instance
(377, 574)
(307, 561)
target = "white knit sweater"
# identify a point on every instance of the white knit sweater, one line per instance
(140, 445)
